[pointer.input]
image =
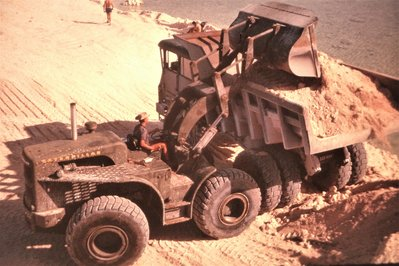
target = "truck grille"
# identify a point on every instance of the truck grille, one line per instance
(80, 192)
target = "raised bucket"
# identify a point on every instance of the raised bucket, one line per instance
(292, 48)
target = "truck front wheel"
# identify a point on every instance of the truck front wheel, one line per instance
(226, 203)
(107, 230)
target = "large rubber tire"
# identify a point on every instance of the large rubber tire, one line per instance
(359, 162)
(226, 203)
(290, 173)
(264, 170)
(107, 230)
(333, 173)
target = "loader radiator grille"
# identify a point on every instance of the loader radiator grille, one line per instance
(80, 192)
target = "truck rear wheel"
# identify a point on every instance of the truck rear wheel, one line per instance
(226, 203)
(359, 162)
(333, 173)
(107, 230)
(264, 170)
(289, 171)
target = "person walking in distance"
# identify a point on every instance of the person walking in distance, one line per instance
(107, 7)
(141, 133)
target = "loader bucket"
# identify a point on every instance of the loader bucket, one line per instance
(291, 48)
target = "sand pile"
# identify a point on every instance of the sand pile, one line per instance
(345, 101)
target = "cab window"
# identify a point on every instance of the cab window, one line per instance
(170, 60)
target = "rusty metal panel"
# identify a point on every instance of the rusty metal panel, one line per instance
(80, 191)
(86, 146)
(291, 140)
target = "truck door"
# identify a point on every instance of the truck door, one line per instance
(168, 85)
(176, 75)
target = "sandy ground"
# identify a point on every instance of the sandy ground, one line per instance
(56, 52)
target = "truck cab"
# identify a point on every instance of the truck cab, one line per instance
(176, 73)
(185, 59)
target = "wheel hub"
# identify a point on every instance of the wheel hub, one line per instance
(233, 209)
(107, 242)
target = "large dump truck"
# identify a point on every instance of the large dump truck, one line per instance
(105, 192)
(197, 99)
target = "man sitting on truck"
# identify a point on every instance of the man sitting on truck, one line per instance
(141, 133)
(195, 28)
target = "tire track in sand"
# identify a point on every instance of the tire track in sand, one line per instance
(30, 118)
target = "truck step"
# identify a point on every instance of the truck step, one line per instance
(177, 220)
(175, 205)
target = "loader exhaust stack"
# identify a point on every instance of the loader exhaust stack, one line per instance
(74, 130)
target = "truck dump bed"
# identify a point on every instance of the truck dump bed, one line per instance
(276, 119)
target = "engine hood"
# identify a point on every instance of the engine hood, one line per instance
(104, 143)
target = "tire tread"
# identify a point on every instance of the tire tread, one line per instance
(103, 204)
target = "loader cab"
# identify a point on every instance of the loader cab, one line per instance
(176, 73)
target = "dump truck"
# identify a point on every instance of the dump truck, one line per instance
(198, 97)
(106, 191)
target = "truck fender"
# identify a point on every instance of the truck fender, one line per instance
(201, 175)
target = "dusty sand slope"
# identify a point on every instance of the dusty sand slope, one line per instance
(55, 52)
